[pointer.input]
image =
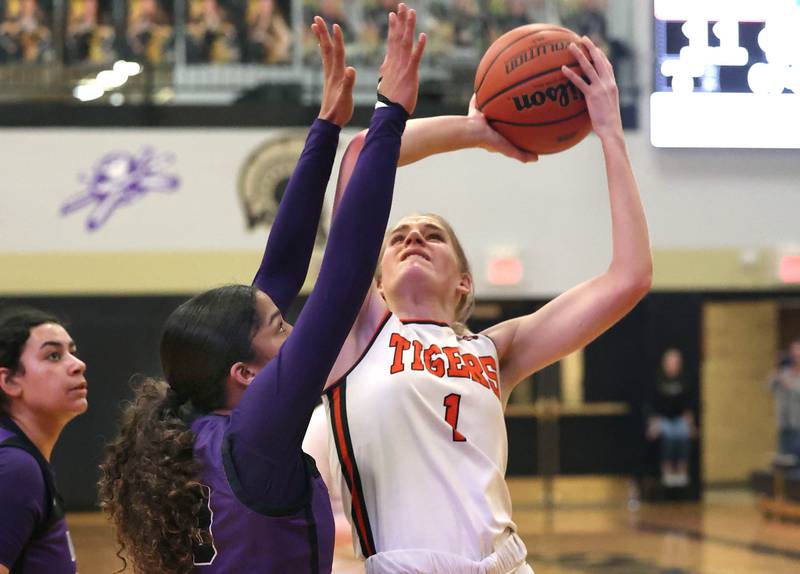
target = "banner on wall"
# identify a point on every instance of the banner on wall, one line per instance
(143, 190)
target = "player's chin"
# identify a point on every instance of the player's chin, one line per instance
(78, 406)
(419, 273)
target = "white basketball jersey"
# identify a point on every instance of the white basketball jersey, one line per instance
(419, 442)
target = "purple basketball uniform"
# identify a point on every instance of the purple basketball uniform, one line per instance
(240, 536)
(267, 509)
(33, 532)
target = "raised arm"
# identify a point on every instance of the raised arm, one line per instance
(425, 137)
(422, 138)
(291, 240)
(267, 427)
(529, 343)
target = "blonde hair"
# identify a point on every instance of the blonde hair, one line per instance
(467, 302)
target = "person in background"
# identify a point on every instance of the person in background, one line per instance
(672, 420)
(785, 386)
(269, 39)
(42, 388)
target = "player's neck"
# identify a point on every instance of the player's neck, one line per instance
(41, 430)
(422, 307)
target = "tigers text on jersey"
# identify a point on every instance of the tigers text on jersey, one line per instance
(419, 442)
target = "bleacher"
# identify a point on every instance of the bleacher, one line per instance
(214, 51)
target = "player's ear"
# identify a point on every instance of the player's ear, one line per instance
(464, 286)
(379, 287)
(242, 374)
(8, 385)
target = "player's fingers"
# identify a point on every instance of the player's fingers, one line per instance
(391, 39)
(419, 49)
(338, 48)
(320, 28)
(349, 78)
(409, 29)
(599, 58)
(575, 79)
(585, 64)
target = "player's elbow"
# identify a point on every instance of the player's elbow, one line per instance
(638, 284)
(356, 144)
(630, 285)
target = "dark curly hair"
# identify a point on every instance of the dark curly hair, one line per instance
(149, 484)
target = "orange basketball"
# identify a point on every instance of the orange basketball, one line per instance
(525, 96)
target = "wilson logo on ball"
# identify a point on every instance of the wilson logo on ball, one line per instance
(563, 94)
(521, 89)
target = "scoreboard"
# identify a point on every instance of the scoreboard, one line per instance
(727, 74)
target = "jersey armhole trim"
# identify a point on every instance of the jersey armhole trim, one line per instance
(372, 340)
(496, 352)
(264, 509)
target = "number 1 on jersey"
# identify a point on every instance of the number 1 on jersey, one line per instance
(452, 403)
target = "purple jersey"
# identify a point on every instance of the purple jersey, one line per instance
(240, 536)
(33, 533)
(267, 507)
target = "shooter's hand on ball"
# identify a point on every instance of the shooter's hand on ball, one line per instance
(602, 95)
(491, 140)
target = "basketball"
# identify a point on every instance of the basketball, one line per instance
(525, 96)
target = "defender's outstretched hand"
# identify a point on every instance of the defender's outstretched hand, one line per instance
(601, 92)
(337, 91)
(400, 69)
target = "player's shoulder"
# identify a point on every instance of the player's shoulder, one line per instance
(19, 469)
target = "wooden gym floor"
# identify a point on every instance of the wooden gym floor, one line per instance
(590, 530)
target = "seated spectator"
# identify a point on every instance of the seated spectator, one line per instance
(586, 17)
(672, 420)
(333, 11)
(507, 15)
(24, 34)
(467, 24)
(785, 386)
(269, 38)
(89, 38)
(211, 36)
(149, 32)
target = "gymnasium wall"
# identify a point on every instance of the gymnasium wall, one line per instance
(553, 215)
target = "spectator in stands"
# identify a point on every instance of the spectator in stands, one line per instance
(467, 23)
(24, 34)
(371, 33)
(507, 15)
(149, 32)
(211, 36)
(333, 12)
(586, 17)
(672, 420)
(90, 38)
(785, 386)
(269, 38)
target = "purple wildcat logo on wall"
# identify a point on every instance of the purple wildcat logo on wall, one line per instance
(118, 179)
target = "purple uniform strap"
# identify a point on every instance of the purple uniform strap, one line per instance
(268, 425)
(22, 507)
(291, 240)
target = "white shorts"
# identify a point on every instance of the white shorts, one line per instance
(508, 558)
